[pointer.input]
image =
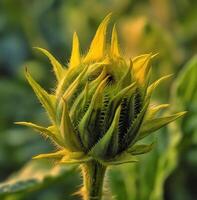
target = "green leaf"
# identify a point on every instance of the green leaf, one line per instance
(185, 86)
(152, 125)
(34, 175)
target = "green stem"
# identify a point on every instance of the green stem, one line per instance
(93, 178)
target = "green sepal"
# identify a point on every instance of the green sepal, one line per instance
(152, 111)
(47, 100)
(87, 124)
(57, 67)
(54, 156)
(73, 86)
(79, 104)
(125, 80)
(75, 158)
(47, 132)
(150, 126)
(133, 131)
(140, 148)
(152, 87)
(109, 142)
(68, 134)
(120, 159)
(115, 102)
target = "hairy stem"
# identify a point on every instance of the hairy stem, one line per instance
(93, 178)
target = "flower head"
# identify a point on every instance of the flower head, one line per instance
(100, 108)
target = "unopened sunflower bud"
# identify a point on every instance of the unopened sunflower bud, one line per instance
(100, 108)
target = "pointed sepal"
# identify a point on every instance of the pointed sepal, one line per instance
(109, 142)
(67, 131)
(47, 100)
(152, 125)
(47, 132)
(57, 67)
(152, 87)
(75, 158)
(75, 59)
(87, 124)
(97, 47)
(122, 158)
(140, 149)
(152, 111)
(57, 156)
(114, 50)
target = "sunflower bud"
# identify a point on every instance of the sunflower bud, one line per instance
(100, 108)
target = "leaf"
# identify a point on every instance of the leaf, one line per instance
(185, 86)
(150, 126)
(34, 175)
(47, 100)
(183, 97)
(57, 67)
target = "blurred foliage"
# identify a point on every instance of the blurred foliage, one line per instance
(164, 26)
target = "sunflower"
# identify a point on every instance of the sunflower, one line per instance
(100, 109)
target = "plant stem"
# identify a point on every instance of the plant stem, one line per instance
(93, 178)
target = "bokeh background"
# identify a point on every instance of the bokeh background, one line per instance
(168, 27)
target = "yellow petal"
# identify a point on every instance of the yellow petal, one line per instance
(97, 47)
(75, 55)
(114, 43)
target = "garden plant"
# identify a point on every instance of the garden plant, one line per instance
(100, 109)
